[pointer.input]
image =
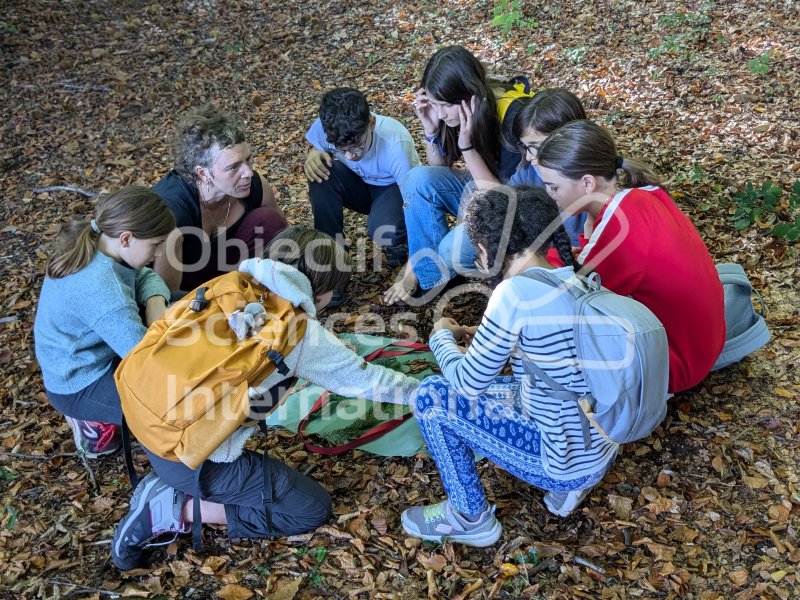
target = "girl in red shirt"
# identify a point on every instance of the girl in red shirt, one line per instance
(639, 242)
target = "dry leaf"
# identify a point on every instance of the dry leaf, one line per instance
(508, 570)
(778, 512)
(285, 590)
(738, 577)
(234, 592)
(662, 505)
(756, 483)
(621, 505)
(436, 562)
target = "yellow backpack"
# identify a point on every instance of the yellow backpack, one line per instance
(184, 387)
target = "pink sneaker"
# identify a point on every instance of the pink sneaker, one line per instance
(95, 438)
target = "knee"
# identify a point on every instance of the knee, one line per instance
(416, 184)
(266, 221)
(430, 393)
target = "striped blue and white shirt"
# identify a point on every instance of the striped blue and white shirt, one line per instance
(528, 316)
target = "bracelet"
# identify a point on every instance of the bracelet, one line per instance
(467, 149)
(432, 138)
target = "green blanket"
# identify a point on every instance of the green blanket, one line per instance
(350, 417)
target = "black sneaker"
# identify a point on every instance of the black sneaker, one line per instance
(156, 509)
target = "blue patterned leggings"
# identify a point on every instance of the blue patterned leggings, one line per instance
(493, 425)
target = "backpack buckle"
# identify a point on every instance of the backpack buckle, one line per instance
(199, 303)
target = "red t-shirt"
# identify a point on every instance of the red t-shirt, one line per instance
(643, 246)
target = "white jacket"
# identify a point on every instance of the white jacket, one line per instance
(320, 357)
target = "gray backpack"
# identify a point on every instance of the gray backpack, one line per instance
(623, 353)
(745, 329)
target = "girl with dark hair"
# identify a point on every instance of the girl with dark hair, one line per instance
(640, 243)
(89, 310)
(457, 105)
(509, 419)
(534, 119)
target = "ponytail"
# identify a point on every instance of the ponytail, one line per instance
(563, 246)
(76, 247)
(634, 173)
(584, 148)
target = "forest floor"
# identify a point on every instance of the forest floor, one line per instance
(708, 507)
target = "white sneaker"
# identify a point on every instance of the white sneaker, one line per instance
(563, 503)
(439, 522)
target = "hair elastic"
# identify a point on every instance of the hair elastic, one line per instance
(619, 162)
(95, 227)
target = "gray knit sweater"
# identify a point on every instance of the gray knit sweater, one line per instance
(87, 319)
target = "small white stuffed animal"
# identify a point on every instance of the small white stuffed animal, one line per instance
(247, 322)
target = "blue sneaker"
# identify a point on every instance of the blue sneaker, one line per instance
(439, 522)
(156, 509)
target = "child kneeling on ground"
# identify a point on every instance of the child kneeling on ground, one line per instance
(304, 267)
(509, 419)
(90, 310)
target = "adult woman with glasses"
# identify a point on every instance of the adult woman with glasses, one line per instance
(357, 161)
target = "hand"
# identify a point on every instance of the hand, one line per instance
(403, 289)
(426, 113)
(465, 112)
(451, 325)
(469, 333)
(317, 165)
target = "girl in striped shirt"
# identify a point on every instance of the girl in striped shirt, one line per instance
(509, 419)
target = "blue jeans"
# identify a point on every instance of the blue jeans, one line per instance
(494, 425)
(429, 195)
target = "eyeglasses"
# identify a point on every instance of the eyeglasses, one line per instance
(480, 268)
(533, 149)
(356, 150)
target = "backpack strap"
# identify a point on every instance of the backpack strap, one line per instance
(197, 517)
(557, 390)
(126, 448)
(267, 474)
(560, 392)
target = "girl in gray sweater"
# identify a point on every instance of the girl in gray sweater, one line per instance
(90, 310)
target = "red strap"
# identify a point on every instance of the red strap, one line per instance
(374, 432)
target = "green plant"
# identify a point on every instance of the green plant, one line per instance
(235, 48)
(762, 205)
(752, 204)
(759, 65)
(791, 230)
(12, 519)
(575, 55)
(7, 474)
(691, 26)
(508, 14)
(319, 557)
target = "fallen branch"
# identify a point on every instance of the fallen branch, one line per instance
(85, 88)
(88, 467)
(588, 564)
(64, 188)
(13, 455)
(82, 588)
